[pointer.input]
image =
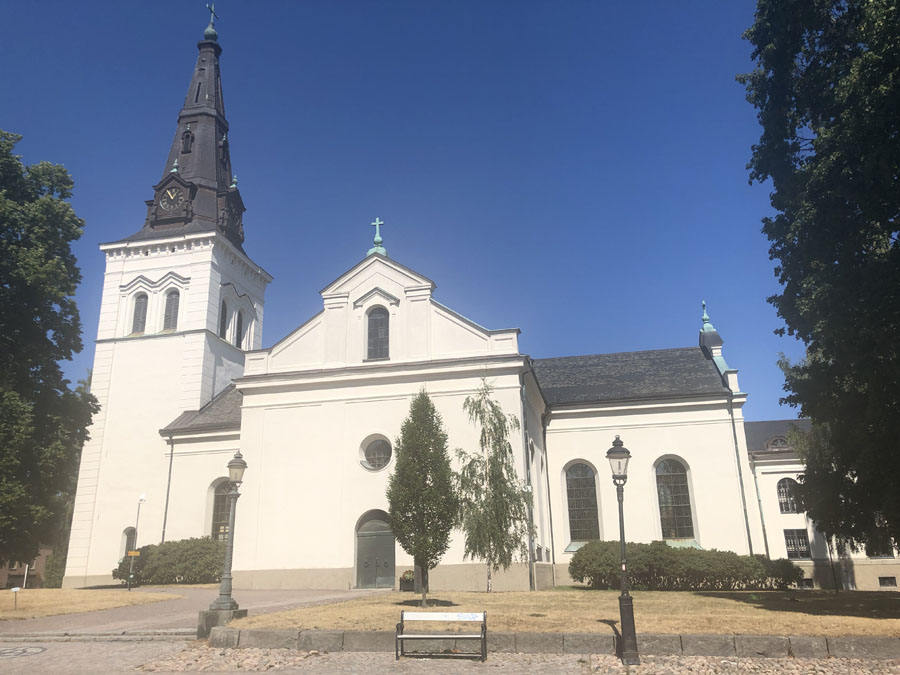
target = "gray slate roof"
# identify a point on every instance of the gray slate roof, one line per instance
(659, 373)
(758, 433)
(223, 412)
(147, 233)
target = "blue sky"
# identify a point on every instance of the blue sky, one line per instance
(574, 169)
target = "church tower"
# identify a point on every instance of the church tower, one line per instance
(181, 304)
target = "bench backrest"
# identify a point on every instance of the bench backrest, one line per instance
(442, 616)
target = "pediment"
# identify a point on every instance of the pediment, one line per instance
(376, 267)
(174, 178)
(376, 293)
(144, 282)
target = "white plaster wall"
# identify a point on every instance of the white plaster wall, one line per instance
(698, 433)
(305, 489)
(142, 382)
(420, 328)
(198, 462)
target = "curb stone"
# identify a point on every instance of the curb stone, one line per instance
(769, 646)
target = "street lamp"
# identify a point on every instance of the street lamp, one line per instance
(236, 467)
(618, 457)
(137, 519)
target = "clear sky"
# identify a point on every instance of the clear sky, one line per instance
(574, 169)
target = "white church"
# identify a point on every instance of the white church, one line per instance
(183, 384)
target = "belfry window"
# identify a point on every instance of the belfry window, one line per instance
(170, 318)
(223, 321)
(187, 142)
(239, 331)
(139, 322)
(787, 495)
(378, 334)
(674, 500)
(581, 494)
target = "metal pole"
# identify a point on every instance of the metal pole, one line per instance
(225, 601)
(137, 519)
(629, 653)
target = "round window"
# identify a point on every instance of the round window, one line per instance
(377, 454)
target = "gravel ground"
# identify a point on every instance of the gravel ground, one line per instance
(201, 658)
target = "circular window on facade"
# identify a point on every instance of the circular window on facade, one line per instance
(376, 454)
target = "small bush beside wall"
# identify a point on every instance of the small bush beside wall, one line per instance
(660, 567)
(188, 561)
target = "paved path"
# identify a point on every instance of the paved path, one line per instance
(179, 613)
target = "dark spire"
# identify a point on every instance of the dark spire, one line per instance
(197, 192)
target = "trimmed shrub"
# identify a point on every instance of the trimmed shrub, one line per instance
(188, 561)
(660, 567)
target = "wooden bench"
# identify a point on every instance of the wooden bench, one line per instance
(446, 617)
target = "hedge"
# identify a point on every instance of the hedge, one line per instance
(660, 567)
(188, 561)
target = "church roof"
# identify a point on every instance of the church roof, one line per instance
(760, 433)
(223, 412)
(202, 193)
(658, 373)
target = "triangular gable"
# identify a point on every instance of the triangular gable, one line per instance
(370, 264)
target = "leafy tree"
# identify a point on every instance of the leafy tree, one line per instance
(420, 492)
(493, 504)
(42, 421)
(826, 85)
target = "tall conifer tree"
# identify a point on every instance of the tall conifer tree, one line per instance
(420, 492)
(493, 503)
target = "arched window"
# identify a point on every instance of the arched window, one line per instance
(674, 500)
(220, 511)
(223, 321)
(187, 140)
(581, 493)
(378, 333)
(139, 323)
(170, 318)
(787, 495)
(239, 331)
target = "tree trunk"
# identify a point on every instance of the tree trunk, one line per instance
(490, 579)
(424, 569)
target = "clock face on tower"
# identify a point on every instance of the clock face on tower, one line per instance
(171, 198)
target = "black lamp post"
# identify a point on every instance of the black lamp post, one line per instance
(133, 547)
(618, 457)
(236, 468)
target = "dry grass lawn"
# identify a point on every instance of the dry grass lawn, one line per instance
(580, 610)
(35, 602)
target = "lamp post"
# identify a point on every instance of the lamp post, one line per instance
(618, 457)
(236, 467)
(137, 519)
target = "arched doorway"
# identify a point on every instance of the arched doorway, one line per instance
(374, 551)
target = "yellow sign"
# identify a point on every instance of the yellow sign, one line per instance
(134, 554)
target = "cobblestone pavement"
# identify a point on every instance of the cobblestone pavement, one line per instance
(81, 658)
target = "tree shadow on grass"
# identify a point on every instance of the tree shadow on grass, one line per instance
(432, 602)
(866, 604)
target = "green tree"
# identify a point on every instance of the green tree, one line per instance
(420, 492)
(42, 420)
(826, 85)
(493, 503)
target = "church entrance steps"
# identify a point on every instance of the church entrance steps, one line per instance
(168, 635)
(757, 646)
